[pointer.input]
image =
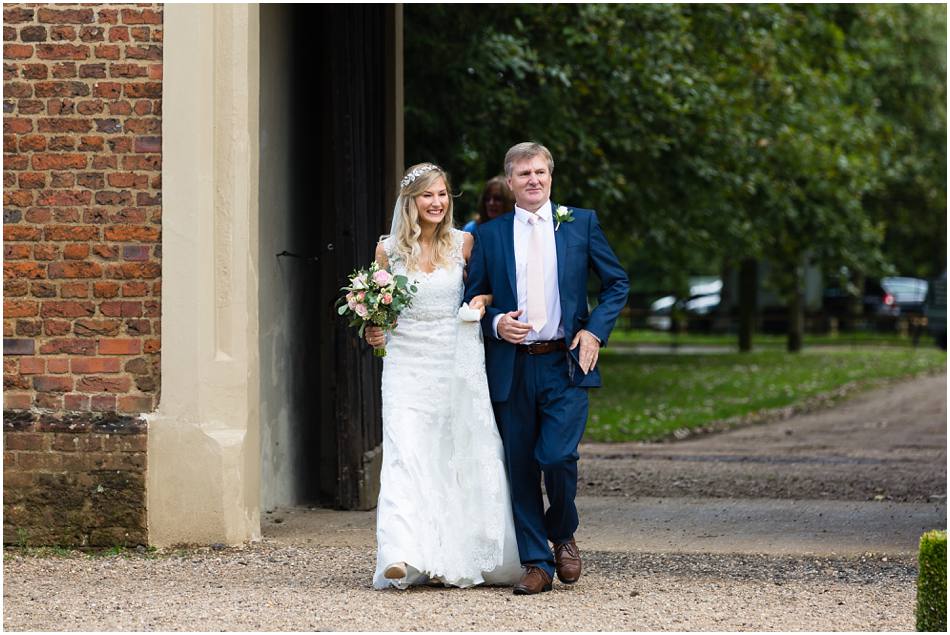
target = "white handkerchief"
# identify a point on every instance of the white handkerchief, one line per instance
(467, 314)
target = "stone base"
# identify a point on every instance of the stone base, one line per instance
(74, 480)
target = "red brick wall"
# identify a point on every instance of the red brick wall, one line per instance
(82, 252)
(82, 207)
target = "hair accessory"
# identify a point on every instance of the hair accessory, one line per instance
(415, 174)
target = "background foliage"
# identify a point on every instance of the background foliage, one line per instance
(702, 134)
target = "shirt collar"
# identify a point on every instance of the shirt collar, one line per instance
(544, 212)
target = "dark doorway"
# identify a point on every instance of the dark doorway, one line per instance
(328, 160)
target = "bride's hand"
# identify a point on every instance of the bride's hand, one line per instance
(375, 336)
(479, 302)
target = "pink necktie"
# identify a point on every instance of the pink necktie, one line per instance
(537, 305)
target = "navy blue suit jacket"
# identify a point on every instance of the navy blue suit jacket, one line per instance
(581, 246)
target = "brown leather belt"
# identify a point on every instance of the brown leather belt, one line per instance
(540, 348)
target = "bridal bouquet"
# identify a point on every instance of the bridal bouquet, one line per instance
(375, 296)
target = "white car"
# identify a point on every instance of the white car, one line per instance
(703, 298)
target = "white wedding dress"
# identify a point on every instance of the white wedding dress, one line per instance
(444, 505)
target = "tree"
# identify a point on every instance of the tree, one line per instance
(610, 89)
(905, 46)
(704, 135)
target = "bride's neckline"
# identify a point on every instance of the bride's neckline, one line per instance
(429, 273)
(447, 267)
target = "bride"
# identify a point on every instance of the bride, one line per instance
(444, 513)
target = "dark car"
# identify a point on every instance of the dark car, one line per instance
(847, 304)
(908, 294)
(883, 300)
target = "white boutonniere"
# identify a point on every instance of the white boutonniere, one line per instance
(562, 215)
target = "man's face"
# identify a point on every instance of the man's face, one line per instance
(530, 182)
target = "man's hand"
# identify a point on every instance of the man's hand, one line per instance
(590, 349)
(375, 336)
(511, 330)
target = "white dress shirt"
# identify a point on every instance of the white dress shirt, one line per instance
(552, 329)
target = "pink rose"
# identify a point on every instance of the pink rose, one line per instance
(382, 277)
(360, 296)
(359, 282)
(361, 310)
(387, 298)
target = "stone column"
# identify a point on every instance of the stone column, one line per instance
(204, 440)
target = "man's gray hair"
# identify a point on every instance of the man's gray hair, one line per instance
(526, 150)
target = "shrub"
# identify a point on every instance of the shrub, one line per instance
(932, 582)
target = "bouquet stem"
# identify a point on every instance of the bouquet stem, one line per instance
(380, 352)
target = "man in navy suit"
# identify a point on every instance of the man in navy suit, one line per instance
(541, 348)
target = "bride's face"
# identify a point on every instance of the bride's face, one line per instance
(433, 203)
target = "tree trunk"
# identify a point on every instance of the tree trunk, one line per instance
(856, 303)
(796, 312)
(748, 290)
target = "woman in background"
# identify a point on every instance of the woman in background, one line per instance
(496, 199)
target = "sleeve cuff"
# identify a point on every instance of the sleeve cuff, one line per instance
(594, 335)
(494, 325)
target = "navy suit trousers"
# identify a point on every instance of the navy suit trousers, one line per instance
(542, 423)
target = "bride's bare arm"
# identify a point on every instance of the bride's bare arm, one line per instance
(480, 302)
(468, 241)
(381, 258)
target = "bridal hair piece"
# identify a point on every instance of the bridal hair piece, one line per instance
(415, 174)
(405, 229)
(411, 175)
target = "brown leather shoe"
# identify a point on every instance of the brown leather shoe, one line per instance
(533, 580)
(567, 562)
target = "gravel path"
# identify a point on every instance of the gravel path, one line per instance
(274, 587)
(761, 529)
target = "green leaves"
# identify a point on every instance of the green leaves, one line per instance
(375, 298)
(701, 132)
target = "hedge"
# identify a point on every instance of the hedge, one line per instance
(932, 582)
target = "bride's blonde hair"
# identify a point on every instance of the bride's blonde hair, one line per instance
(417, 180)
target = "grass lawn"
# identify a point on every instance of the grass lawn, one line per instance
(648, 397)
(760, 340)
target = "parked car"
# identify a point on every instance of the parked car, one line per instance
(661, 313)
(908, 294)
(882, 300)
(935, 308)
(702, 304)
(702, 301)
(839, 301)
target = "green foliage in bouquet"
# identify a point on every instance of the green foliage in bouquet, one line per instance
(375, 296)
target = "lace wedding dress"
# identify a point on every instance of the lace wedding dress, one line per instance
(444, 506)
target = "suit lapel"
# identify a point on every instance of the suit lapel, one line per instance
(561, 246)
(508, 245)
